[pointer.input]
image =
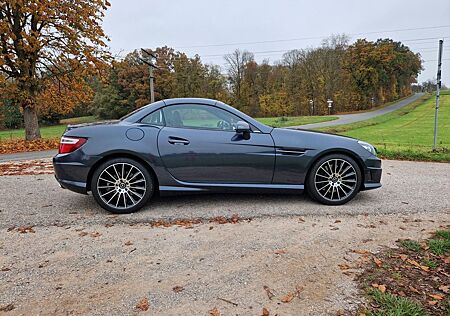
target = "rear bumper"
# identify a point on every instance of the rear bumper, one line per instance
(71, 173)
(79, 187)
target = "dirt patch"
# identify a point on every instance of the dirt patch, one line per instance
(413, 276)
(275, 265)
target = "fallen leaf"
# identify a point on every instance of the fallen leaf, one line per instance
(436, 296)
(378, 262)
(143, 304)
(280, 251)
(444, 288)
(337, 221)
(447, 260)
(178, 289)
(361, 251)
(288, 297)
(403, 257)
(418, 265)
(7, 308)
(344, 266)
(380, 287)
(95, 234)
(265, 312)
(214, 312)
(25, 229)
(413, 289)
(82, 234)
(128, 243)
(432, 302)
(269, 292)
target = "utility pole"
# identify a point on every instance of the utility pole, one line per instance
(151, 66)
(438, 90)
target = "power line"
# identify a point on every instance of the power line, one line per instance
(315, 37)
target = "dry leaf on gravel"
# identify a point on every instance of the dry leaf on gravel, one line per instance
(436, 296)
(25, 229)
(418, 265)
(214, 312)
(444, 288)
(361, 251)
(128, 243)
(432, 302)
(265, 312)
(378, 262)
(82, 234)
(178, 289)
(269, 292)
(95, 234)
(26, 167)
(7, 308)
(380, 287)
(288, 297)
(143, 304)
(280, 251)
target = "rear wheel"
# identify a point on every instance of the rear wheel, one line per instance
(122, 185)
(334, 179)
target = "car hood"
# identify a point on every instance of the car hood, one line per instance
(306, 139)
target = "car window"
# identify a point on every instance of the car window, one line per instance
(154, 118)
(199, 116)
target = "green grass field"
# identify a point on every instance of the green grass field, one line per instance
(47, 131)
(294, 120)
(408, 132)
(57, 130)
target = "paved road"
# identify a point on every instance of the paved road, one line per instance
(27, 155)
(352, 118)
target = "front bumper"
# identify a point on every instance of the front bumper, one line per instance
(372, 174)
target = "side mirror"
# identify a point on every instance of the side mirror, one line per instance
(244, 128)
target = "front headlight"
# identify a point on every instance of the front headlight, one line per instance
(368, 147)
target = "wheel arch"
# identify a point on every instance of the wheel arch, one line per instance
(122, 155)
(333, 151)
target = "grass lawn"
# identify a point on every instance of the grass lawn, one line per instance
(294, 120)
(47, 131)
(406, 133)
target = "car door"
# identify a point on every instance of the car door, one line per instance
(199, 144)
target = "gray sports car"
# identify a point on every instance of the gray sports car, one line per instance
(201, 145)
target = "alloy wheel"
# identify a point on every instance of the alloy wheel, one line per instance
(335, 179)
(121, 185)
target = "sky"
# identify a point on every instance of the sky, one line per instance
(212, 28)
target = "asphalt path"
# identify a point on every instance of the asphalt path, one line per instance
(357, 117)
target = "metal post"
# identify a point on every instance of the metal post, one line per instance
(151, 65)
(152, 90)
(438, 90)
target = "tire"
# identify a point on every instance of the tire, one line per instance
(122, 185)
(334, 179)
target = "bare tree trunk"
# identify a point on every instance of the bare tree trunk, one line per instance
(30, 118)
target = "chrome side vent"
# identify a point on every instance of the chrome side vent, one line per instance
(291, 151)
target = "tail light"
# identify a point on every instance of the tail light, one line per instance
(69, 144)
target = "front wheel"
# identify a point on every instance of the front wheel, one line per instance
(334, 179)
(122, 185)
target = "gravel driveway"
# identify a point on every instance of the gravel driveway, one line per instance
(78, 259)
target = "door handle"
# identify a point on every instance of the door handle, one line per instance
(177, 140)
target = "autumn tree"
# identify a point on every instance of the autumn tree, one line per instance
(47, 49)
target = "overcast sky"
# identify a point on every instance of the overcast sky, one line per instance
(204, 26)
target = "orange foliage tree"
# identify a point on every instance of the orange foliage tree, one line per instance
(48, 49)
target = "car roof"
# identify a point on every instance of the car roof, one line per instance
(138, 114)
(190, 100)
